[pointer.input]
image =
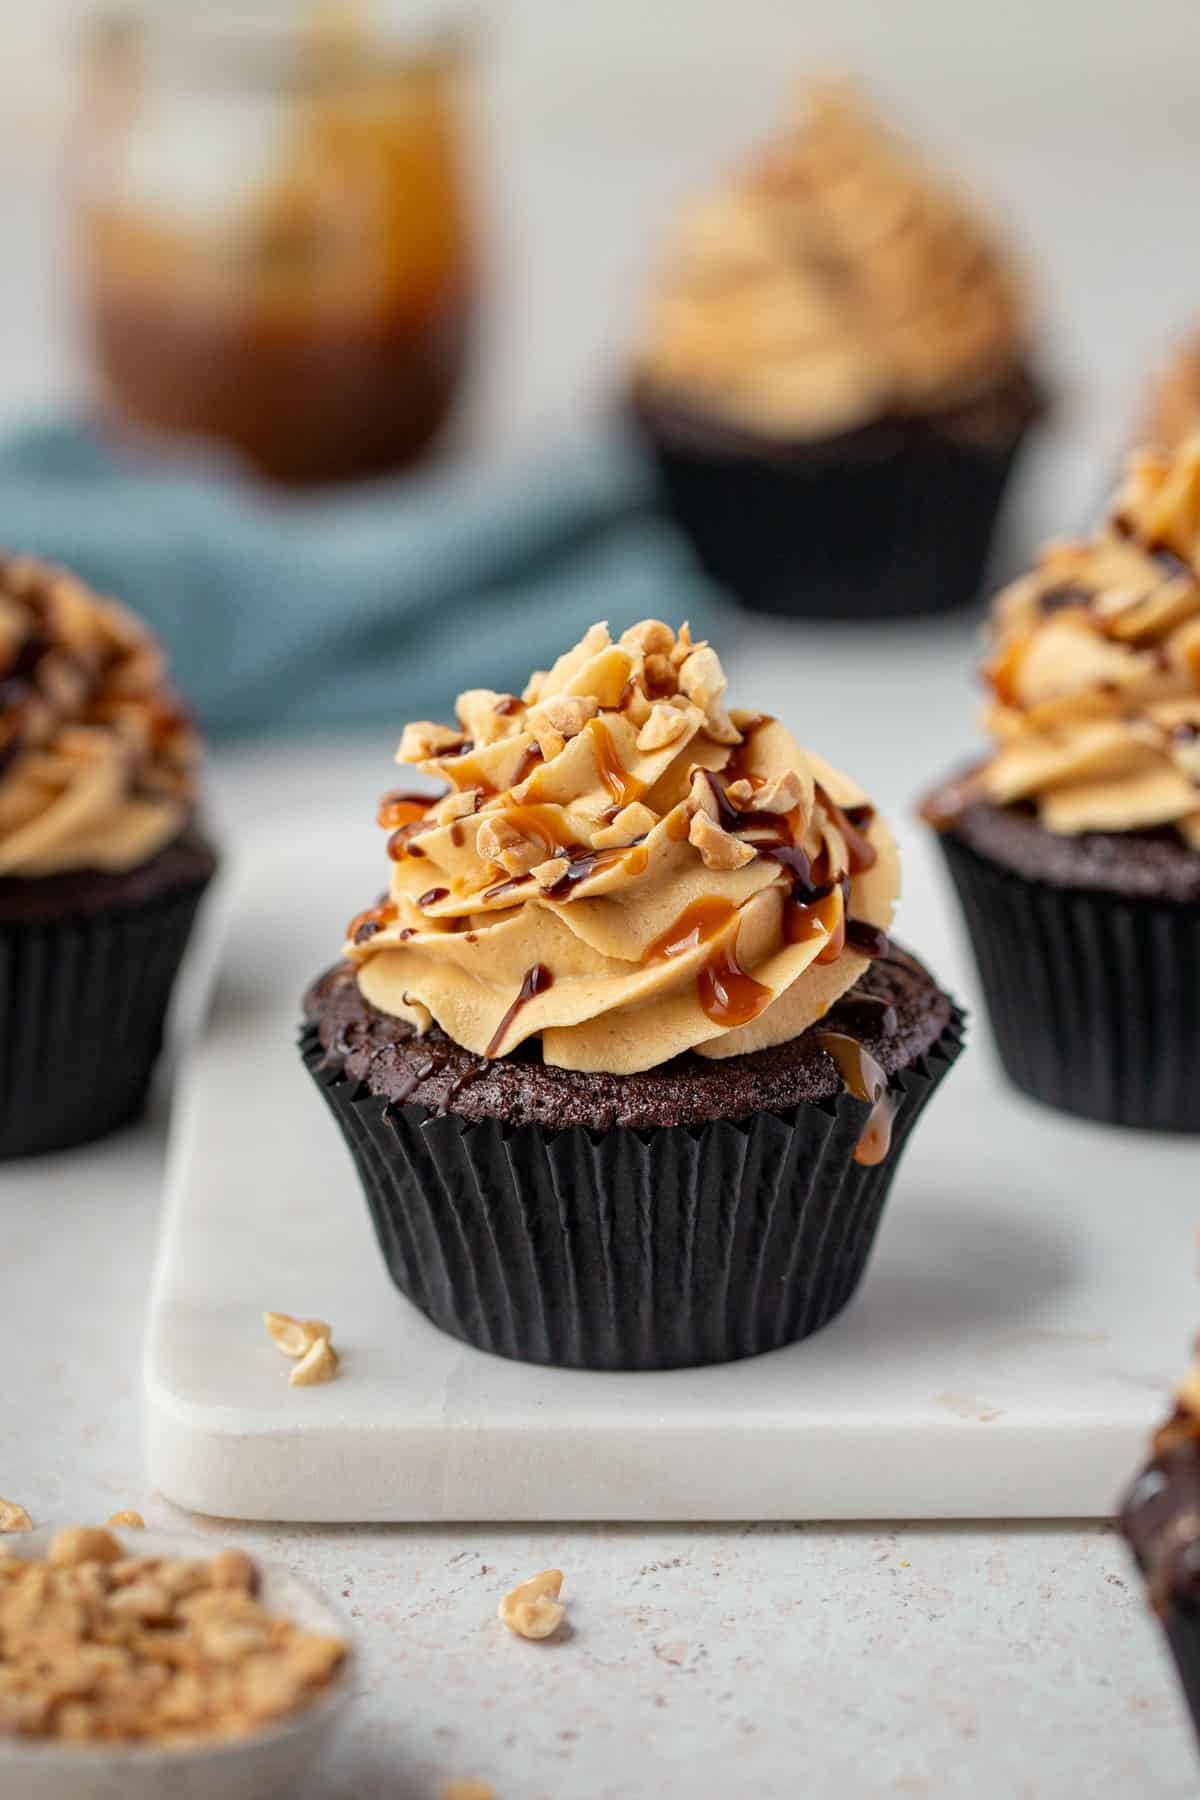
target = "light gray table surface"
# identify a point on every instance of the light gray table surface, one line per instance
(773, 1661)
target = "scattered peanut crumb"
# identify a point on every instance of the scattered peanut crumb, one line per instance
(468, 1790)
(14, 1517)
(133, 1521)
(319, 1363)
(100, 1647)
(295, 1337)
(533, 1610)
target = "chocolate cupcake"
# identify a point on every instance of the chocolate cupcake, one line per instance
(102, 863)
(624, 1058)
(1075, 847)
(835, 377)
(1160, 1520)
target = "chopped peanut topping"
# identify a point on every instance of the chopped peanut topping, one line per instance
(546, 874)
(781, 794)
(534, 1610)
(718, 849)
(650, 636)
(631, 823)
(14, 1517)
(665, 725)
(104, 1649)
(566, 714)
(425, 740)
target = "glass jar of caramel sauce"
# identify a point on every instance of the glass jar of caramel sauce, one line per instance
(272, 230)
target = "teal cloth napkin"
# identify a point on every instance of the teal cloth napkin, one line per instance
(357, 606)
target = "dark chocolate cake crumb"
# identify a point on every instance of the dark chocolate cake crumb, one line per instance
(895, 1010)
(82, 893)
(1138, 865)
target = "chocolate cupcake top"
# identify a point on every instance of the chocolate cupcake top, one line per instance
(832, 282)
(623, 868)
(1094, 669)
(97, 759)
(1160, 1513)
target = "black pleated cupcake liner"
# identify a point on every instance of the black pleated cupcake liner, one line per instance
(658, 1249)
(1094, 999)
(1182, 1632)
(886, 536)
(83, 1002)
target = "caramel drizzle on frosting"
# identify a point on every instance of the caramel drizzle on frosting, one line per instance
(832, 281)
(1094, 669)
(98, 758)
(650, 860)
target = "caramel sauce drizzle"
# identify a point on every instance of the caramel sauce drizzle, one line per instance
(507, 705)
(864, 1079)
(365, 925)
(696, 924)
(622, 786)
(536, 981)
(852, 821)
(528, 763)
(583, 864)
(804, 920)
(728, 996)
(397, 809)
(1003, 671)
(541, 823)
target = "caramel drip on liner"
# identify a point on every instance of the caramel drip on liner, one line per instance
(863, 1078)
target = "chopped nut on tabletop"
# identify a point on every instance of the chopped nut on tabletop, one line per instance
(468, 1790)
(133, 1521)
(14, 1517)
(319, 1363)
(307, 1341)
(147, 1649)
(534, 1610)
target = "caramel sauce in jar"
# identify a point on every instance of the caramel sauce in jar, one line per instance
(312, 309)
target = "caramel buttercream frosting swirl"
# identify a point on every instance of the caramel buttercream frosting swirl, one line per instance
(832, 282)
(97, 758)
(1173, 410)
(622, 868)
(1094, 667)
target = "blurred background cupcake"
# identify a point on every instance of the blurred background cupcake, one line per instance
(1171, 411)
(835, 375)
(102, 859)
(1075, 846)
